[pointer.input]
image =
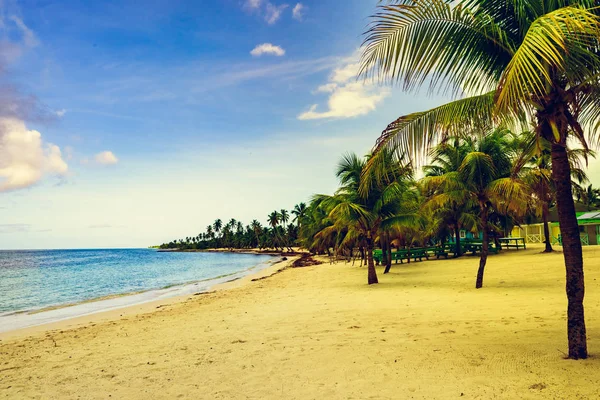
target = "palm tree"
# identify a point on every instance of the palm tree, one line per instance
(482, 180)
(447, 157)
(361, 204)
(515, 58)
(217, 225)
(315, 221)
(537, 173)
(232, 223)
(209, 231)
(273, 219)
(590, 197)
(284, 216)
(349, 208)
(299, 212)
(257, 229)
(396, 178)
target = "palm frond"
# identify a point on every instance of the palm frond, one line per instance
(569, 32)
(417, 41)
(414, 134)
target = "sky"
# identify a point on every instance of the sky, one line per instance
(129, 124)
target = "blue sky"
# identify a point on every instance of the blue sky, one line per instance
(147, 121)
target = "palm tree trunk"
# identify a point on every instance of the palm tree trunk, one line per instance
(371, 265)
(546, 228)
(457, 250)
(362, 255)
(571, 242)
(388, 264)
(484, 248)
(382, 244)
(388, 254)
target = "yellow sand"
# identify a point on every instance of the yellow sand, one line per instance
(321, 332)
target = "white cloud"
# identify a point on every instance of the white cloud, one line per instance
(327, 88)
(348, 97)
(60, 113)
(253, 4)
(24, 158)
(345, 73)
(273, 12)
(298, 12)
(106, 158)
(267, 48)
(29, 38)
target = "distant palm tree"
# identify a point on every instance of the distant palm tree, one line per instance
(257, 229)
(217, 225)
(284, 216)
(232, 223)
(274, 219)
(299, 212)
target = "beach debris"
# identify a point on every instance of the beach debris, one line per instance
(538, 386)
(305, 261)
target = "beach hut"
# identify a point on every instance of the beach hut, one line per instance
(589, 227)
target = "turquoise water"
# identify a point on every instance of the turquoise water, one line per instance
(35, 279)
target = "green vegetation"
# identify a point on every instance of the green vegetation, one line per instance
(516, 60)
(234, 235)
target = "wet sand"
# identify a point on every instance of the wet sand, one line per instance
(320, 332)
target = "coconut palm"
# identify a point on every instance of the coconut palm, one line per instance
(514, 58)
(589, 196)
(299, 212)
(217, 225)
(232, 223)
(274, 219)
(482, 180)
(284, 216)
(361, 205)
(349, 208)
(447, 157)
(256, 229)
(315, 220)
(537, 173)
(396, 178)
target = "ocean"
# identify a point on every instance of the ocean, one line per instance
(31, 280)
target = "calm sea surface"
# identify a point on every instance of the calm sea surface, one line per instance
(35, 279)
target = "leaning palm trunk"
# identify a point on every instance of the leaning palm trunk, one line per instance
(571, 242)
(546, 228)
(484, 247)
(458, 250)
(371, 265)
(387, 256)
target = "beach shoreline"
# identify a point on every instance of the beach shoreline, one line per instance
(255, 251)
(321, 332)
(145, 303)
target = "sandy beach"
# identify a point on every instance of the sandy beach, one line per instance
(322, 332)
